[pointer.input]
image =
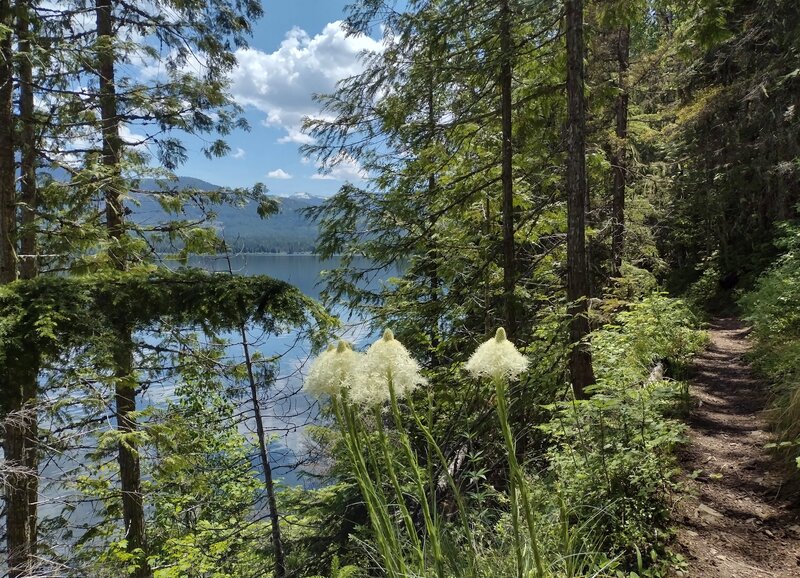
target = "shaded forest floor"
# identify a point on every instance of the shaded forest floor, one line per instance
(736, 520)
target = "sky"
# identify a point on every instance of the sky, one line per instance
(297, 49)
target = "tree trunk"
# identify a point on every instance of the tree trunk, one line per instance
(8, 220)
(509, 258)
(263, 448)
(21, 429)
(433, 252)
(28, 263)
(125, 395)
(16, 422)
(580, 359)
(619, 160)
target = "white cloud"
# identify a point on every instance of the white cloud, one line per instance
(131, 138)
(343, 167)
(238, 153)
(279, 174)
(282, 83)
(295, 135)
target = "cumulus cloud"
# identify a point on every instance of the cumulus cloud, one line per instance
(238, 153)
(130, 137)
(282, 83)
(343, 167)
(279, 174)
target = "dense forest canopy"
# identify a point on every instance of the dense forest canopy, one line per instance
(561, 189)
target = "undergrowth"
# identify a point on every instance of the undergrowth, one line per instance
(592, 505)
(772, 310)
(614, 451)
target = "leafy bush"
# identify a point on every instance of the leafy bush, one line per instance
(772, 309)
(612, 453)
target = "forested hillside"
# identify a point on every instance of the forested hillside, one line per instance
(566, 191)
(284, 231)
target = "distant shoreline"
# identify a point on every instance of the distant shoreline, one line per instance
(252, 254)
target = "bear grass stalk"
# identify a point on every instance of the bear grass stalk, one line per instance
(364, 389)
(498, 360)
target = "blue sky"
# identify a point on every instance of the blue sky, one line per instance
(297, 49)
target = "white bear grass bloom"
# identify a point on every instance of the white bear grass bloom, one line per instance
(497, 359)
(386, 361)
(333, 371)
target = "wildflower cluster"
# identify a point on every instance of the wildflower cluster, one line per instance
(497, 358)
(369, 379)
(365, 379)
(333, 371)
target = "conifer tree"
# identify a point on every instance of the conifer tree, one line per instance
(580, 361)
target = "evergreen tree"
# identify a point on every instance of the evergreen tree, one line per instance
(580, 365)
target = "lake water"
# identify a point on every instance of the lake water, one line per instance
(286, 410)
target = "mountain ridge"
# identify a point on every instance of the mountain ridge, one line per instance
(286, 231)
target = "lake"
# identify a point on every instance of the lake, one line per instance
(286, 410)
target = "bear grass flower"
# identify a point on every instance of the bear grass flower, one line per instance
(497, 358)
(386, 363)
(333, 371)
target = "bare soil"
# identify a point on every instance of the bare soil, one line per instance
(737, 519)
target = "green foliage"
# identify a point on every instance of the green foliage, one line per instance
(612, 453)
(656, 329)
(730, 142)
(772, 309)
(52, 314)
(204, 486)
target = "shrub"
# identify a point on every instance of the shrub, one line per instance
(772, 309)
(612, 453)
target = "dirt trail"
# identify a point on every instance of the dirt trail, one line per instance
(736, 522)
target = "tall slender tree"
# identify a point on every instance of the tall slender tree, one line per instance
(619, 159)
(580, 360)
(113, 187)
(509, 246)
(8, 221)
(18, 383)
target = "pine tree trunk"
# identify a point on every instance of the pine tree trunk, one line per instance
(21, 452)
(24, 430)
(580, 360)
(28, 264)
(16, 422)
(125, 395)
(619, 160)
(433, 252)
(263, 448)
(8, 220)
(509, 257)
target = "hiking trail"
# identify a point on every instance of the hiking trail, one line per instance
(736, 521)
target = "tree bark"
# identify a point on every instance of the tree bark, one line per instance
(619, 161)
(20, 446)
(263, 448)
(509, 257)
(8, 219)
(28, 189)
(21, 427)
(433, 252)
(20, 533)
(125, 394)
(580, 359)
